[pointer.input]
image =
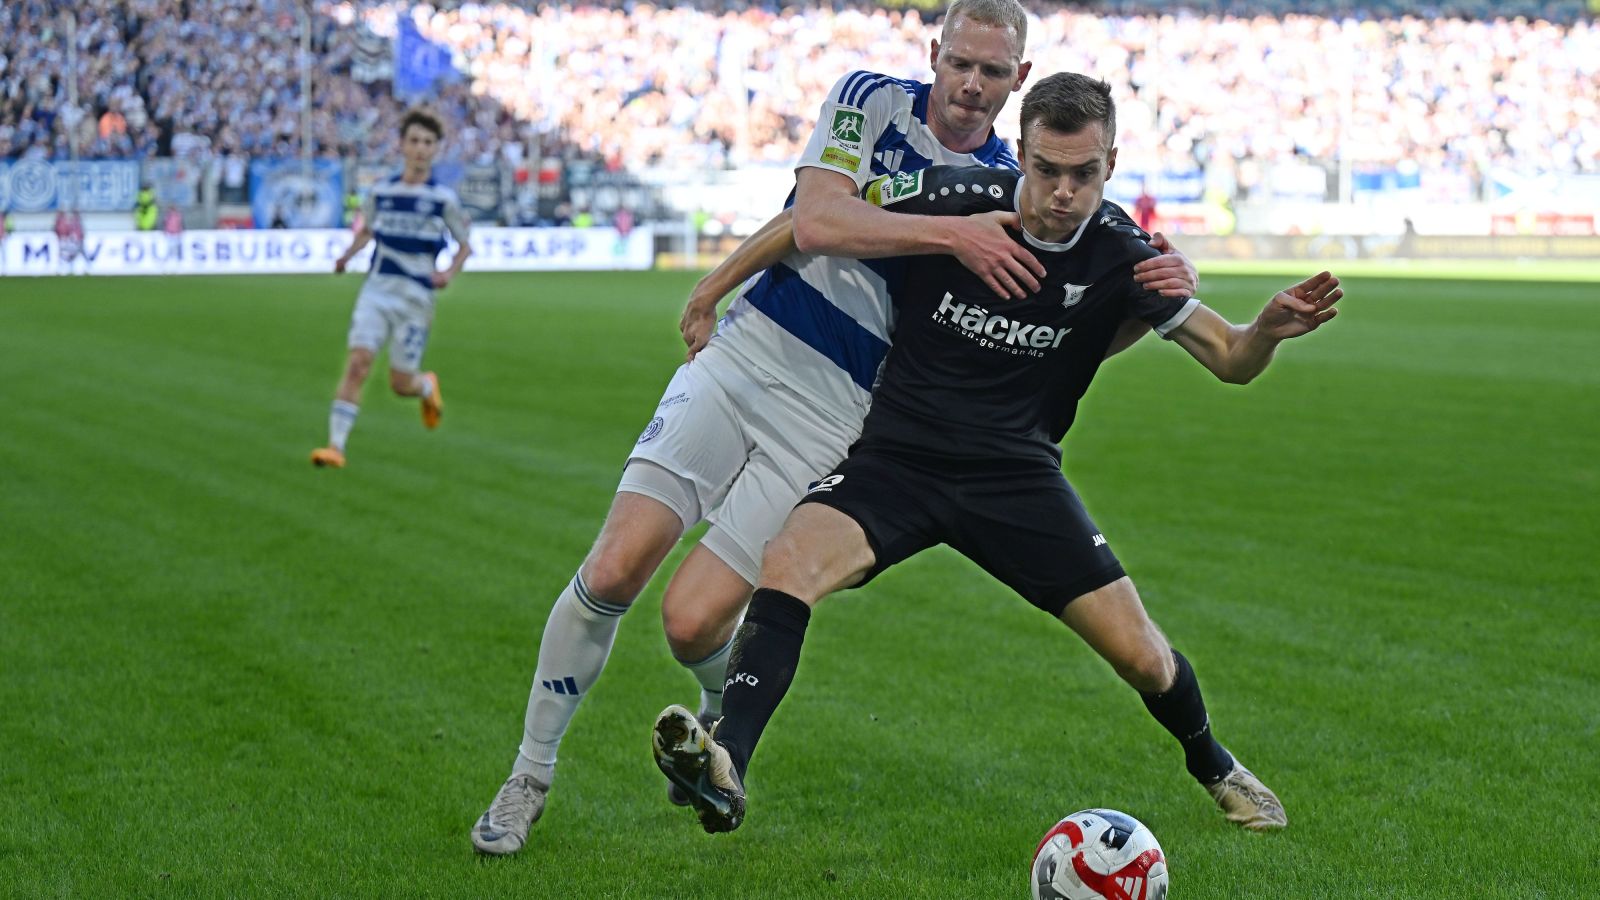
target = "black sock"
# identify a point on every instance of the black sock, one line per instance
(1181, 711)
(760, 668)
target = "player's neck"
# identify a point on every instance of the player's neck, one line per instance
(959, 141)
(416, 176)
(1036, 229)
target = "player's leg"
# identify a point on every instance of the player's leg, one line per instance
(414, 322)
(1113, 621)
(638, 533)
(829, 541)
(791, 446)
(685, 447)
(369, 331)
(699, 612)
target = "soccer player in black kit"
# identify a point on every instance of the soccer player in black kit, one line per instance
(961, 446)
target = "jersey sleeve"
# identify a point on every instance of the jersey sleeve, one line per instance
(943, 191)
(369, 208)
(456, 219)
(1162, 314)
(848, 127)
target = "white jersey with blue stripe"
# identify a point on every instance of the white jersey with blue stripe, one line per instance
(410, 225)
(822, 324)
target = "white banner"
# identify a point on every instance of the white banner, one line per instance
(288, 251)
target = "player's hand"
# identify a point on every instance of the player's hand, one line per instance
(441, 280)
(339, 264)
(984, 247)
(1170, 274)
(698, 321)
(1300, 309)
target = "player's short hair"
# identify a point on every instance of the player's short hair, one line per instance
(999, 13)
(424, 117)
(1068, 102)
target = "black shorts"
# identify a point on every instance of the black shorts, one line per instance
(1023, 525)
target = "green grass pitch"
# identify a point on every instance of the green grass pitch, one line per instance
(226, 674)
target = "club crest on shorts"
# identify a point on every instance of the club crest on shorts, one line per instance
(651, 430)
(825, 484)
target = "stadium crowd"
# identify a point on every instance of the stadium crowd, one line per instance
(714, 84)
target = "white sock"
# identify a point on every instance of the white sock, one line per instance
(577, 639)
(340, 421)
(711, 672)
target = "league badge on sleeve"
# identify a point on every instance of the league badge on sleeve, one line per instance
(845, 132)
(894, 188)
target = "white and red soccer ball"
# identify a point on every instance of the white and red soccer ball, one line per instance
(1099, 854)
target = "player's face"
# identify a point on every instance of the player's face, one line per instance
(1065, 178)
(973, 73)
(418, 145)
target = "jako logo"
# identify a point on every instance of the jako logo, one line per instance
(825, 484)
(998, 328)
(1099, 540)
(741, 678)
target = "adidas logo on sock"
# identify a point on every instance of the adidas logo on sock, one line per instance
(564, 686)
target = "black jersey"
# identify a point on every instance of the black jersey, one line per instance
(973, 376)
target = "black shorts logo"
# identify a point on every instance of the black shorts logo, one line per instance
(825, 484)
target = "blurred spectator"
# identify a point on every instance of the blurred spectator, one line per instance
(1144, 206)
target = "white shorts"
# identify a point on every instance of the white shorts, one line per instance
(396, 312)
(749, 444)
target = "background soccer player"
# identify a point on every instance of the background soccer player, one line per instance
(962, 447)
(410, 216)
(777, 397)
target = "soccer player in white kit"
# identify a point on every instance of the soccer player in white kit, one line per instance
(410, 216)
(780, 392)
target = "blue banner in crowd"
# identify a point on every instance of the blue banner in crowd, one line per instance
(1167, 187)
(284, 193)
(40, 185)
(418, 62)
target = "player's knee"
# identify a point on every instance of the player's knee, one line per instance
(691, 632)
(1149, 666)
(612, 578)
(359, 366)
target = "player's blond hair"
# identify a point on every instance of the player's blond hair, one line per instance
(999, 13)
(424, 117)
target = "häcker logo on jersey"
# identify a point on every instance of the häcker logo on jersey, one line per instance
(845, 133)
(997, 331)
(894, 188)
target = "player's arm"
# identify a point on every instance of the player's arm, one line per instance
(760, 251)
(455, 219)
(830, 218)
(369, 209)
(362, 239)
(1171, 275)
(1238, 353)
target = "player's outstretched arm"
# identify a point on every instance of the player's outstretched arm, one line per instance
(1238, 353)
(770, 244)
(362, 238)
(831, 219)
(1171, 274)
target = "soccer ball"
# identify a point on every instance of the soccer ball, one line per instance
(1099, 854)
